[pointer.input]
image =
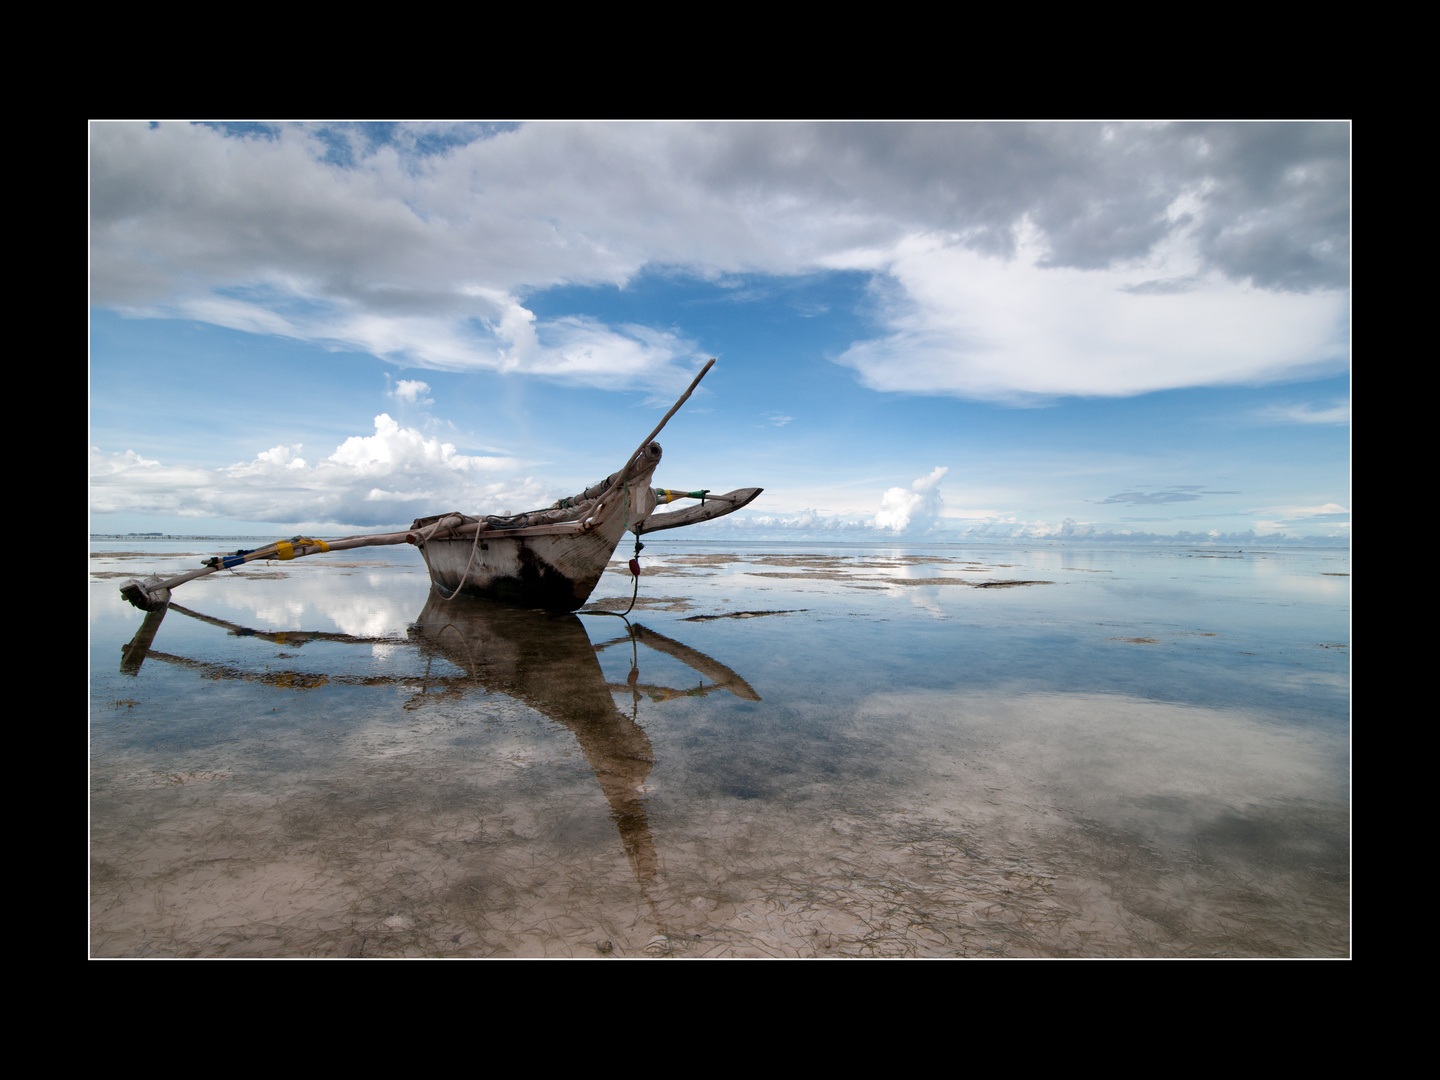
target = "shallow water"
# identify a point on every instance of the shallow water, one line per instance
(798, 751)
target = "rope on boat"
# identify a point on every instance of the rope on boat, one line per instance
(474, 547)
(285, 549)
(281, 549)
(665, 495)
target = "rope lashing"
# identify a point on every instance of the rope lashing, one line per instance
(285, 549)
(666, 495)
(281, 549)
(225, 562)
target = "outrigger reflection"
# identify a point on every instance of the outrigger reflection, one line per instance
(550, 558)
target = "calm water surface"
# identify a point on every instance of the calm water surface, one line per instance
(788, 751)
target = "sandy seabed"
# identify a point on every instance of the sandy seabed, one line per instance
(415, 849)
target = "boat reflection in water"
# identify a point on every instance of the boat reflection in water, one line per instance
(544, 660)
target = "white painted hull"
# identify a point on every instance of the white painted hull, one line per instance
(554, 572)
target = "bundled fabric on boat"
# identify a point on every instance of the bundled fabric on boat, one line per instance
(570, 508)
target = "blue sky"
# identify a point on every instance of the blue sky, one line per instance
(947, 331)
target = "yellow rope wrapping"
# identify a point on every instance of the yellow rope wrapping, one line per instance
(285, 549)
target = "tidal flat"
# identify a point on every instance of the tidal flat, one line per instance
(788, 750)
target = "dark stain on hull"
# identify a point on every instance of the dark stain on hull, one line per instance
(539, 585)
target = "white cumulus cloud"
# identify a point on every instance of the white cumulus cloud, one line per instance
(918, 506)
(387, 478)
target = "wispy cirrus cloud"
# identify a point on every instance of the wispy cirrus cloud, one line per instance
(1323, 512)
(412, 392)
(1337, 414)
(1176, 493)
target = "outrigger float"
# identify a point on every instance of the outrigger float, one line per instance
(550, 558)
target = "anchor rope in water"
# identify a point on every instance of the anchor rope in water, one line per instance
(634, 595)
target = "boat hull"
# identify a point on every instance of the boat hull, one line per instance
(555, 572)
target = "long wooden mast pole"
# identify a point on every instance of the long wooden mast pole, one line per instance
(673, 409)
(625, 471)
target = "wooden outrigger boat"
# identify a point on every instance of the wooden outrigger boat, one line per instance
(550, 558)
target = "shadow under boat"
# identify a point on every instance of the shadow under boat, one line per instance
(542, 659)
